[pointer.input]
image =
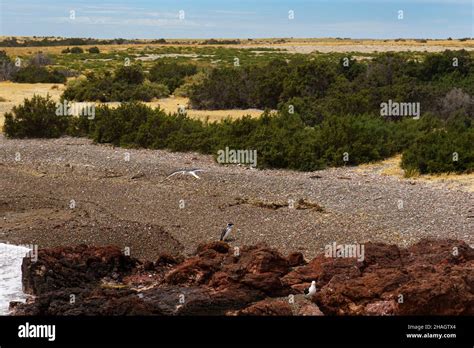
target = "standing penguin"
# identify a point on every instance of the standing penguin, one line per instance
(226, 231)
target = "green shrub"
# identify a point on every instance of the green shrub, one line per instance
(186, 89)
(171, 74)
(94, 50)
(35, 118)
(241, 87)
(325, 85)
(443, 150)
(127, 84)
(119, 126)
(148, 91)
(76, 50)
(38, 74)
(132, 74)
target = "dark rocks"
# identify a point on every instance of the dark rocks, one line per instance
(167, 260)
(87, 301)
(220, 247)
(148, 266)
(429, 278)
(59, 268)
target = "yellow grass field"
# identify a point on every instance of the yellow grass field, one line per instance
(15, 93)
(391, 166)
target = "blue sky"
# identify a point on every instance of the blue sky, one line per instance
(238, 18)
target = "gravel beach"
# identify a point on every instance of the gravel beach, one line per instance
(70, 191)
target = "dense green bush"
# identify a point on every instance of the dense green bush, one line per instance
(447, 149)
(35, 118)
(335, 85)
(241, 87)
(94, 50)
(171, 74)
(76, 50)
(282, 140)
(190, 82)
(127, 84)
(38, 74)
(132, 74)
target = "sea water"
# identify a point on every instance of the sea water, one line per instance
(11, 258)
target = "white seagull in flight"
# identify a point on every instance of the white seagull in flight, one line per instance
(186, 172)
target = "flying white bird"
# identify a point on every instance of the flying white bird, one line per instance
(226, 231)
(186, 172)
(312, 289)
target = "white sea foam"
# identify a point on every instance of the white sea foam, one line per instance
(11, 257)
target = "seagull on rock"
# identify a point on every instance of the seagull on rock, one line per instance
(186, 172)
(226, 231)
(312, 289)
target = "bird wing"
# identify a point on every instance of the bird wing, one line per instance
(194, 174)
(174, 173)
(223, 233)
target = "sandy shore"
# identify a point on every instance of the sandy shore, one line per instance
(128, 203)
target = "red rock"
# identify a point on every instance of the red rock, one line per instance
(195, 270)
(431, 278)
(381, 308)
(296, 259)
(310, 310)
(268, 282)
(267, 307)
(322, 270)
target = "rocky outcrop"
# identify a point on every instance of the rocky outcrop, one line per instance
(267, 307)
(431, 277)
(69, 267)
